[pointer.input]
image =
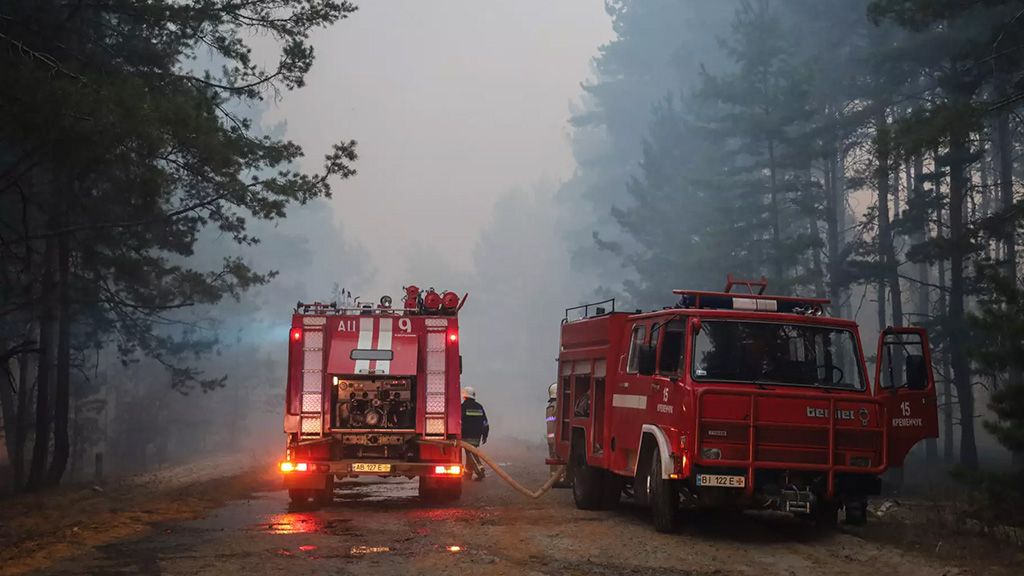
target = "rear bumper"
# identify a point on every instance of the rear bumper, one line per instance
(319, 471)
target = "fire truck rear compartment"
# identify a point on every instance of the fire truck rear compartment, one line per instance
(384, 404)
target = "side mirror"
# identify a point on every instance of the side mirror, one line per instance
(916, 372)
(645, 359)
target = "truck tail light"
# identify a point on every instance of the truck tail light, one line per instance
(453, 470)
(287, 467)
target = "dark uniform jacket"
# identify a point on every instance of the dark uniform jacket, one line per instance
(474, 420)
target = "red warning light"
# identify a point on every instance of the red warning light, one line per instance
(453, 337)
(296, 334)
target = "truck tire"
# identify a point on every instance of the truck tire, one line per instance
(440, 490)
(325, 495)
(857, 512)
(611, 490)
(825, 513)
(587, 481)
(664, 498)
(451, 490)
(298, 495)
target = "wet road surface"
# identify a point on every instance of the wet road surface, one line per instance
(381, 527)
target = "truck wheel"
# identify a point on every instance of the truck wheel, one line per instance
(857, 513)
(326, 495)
(451, 490)
(664, 498)
(298, 495)
(440, 490)
(611, 490)
(587, 481)
(825, 513)
(428, 490)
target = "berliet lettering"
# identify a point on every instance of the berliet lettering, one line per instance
(823, 413)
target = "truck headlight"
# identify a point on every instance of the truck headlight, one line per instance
(861, 461)
(711, 454)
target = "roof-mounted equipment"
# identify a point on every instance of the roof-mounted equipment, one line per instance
(751, 301)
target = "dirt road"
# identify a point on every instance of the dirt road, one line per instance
(382, 529)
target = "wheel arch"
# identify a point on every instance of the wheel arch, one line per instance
(649, 434)
(580, 432)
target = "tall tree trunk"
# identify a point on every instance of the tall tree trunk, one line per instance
(948, 455)
(62, 398)
(8, 410)
(776, 218)
(833, 227)
(882, 153)
(922, 305)
(41, 442)
(1004, 153)
(22, 420)
(819, 273)
(956, 325)
(915, 190)
(984, 172)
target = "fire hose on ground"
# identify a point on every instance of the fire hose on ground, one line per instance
(459, 444)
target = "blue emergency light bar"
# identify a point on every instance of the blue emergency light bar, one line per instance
(749, 302)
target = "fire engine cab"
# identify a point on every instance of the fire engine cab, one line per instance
(739, 399)
(367, 384)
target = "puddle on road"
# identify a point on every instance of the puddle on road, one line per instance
(294, 523)
(377, 490)
(270, 512)
(452, 514)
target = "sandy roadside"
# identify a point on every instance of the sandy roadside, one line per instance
(37, 530)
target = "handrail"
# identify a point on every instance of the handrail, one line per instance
(586, 309)
(751, 464)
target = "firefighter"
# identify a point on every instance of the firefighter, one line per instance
(474, 429)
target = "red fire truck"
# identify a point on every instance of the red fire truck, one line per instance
(367, 384)
(736, 399)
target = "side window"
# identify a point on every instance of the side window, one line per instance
(634, 344)
(672, 349)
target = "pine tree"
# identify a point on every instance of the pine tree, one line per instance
(117, 148)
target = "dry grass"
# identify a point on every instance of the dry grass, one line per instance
(39, 529)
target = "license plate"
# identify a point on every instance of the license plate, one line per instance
(721, 480)
(363, 467)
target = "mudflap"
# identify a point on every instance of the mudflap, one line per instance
(306, 481)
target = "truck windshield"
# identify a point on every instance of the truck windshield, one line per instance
(783, 354)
